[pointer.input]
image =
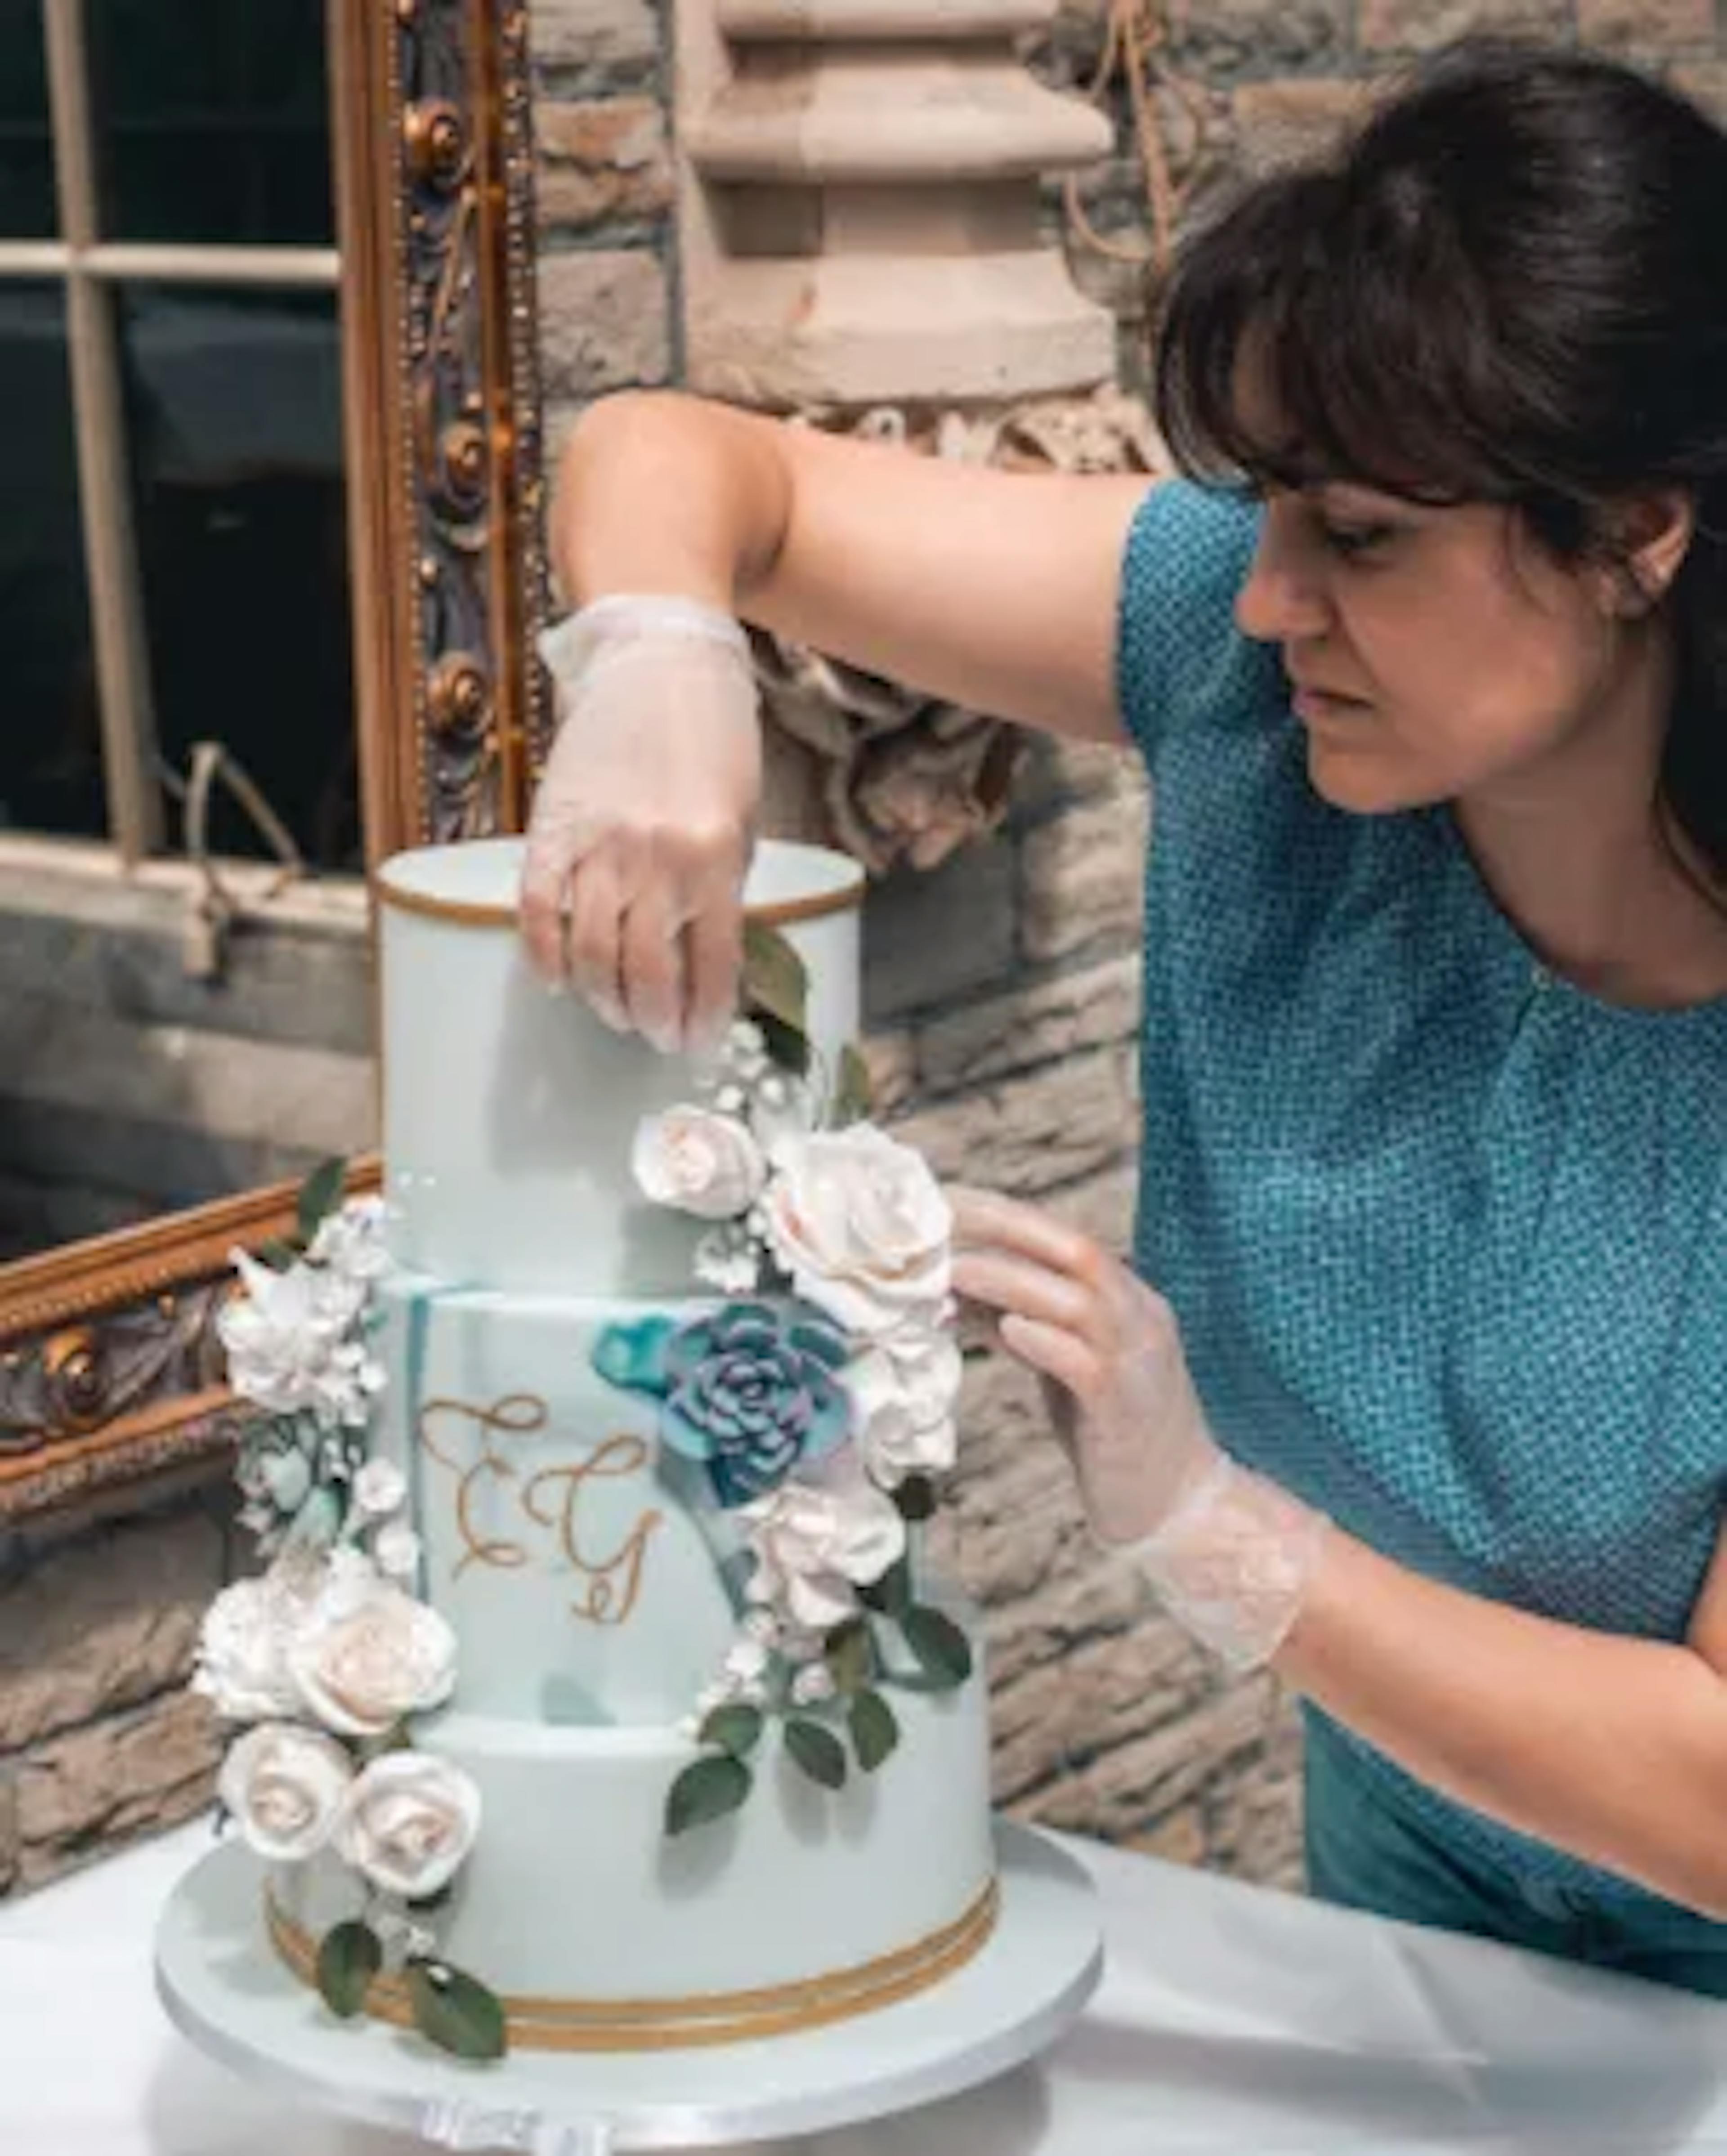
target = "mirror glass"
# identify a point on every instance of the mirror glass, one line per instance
(186, 1008)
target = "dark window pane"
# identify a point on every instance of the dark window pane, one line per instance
(212, 121)
(234, 411)
(51, 774)
(26, 202)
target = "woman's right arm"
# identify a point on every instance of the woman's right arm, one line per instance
(671, 518)
(994, 589)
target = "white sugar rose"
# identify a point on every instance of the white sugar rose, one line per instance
(816, 1541)
(360, 1670)
(702, 1162)
(862, 1226)
(408, 1822)
(243, 1653)
(285, 1787)
(287, 1337)
(902, 1408)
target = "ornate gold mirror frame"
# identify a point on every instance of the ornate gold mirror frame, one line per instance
(111, 1373)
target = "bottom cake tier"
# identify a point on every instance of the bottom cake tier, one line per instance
(598, 1931)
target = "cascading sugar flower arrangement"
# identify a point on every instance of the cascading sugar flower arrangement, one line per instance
(320, 1665)
(819, 1397)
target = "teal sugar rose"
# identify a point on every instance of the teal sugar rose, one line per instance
(749, 1391)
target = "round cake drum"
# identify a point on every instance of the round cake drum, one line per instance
(229, 1994)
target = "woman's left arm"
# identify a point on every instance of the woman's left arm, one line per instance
(1611, 1747)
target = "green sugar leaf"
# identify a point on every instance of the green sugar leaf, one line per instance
(817, 1751)
(915, 1496)
(853, 1094)
(941, 1649)
(320, 1194)
(774, 979)
(851, 1655)
(736, 1729)
(891, 1594)
(706, 1789)
(456, 2011)
(874, 1730)
(349, 1956)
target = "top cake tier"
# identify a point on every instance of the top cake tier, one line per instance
(509, 1113)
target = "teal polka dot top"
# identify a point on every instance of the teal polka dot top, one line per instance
(1447, 1236)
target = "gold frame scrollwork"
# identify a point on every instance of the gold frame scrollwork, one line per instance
(111, 1373)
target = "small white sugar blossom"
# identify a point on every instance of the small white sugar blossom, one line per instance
(728, 1260)
(815, 1542)
(290, 1344)
(285, 1787)
(408, 1822)
(396, 1550)
(813, 1684)
(701, 1162)
(862, 1226)
(380, 1488)
(350, 1240)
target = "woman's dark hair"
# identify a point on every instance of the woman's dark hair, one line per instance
(1511, 285)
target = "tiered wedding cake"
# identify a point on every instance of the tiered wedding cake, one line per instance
(594, 1697)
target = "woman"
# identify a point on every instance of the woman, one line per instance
(1417, 1388)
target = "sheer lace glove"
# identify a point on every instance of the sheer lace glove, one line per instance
(1229, 1554)
(644, 821)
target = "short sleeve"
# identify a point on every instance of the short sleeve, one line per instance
(1180, 661)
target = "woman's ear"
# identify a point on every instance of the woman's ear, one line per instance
(1651, 534)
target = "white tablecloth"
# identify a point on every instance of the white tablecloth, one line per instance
(1232, 2018)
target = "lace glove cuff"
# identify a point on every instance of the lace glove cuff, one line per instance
(1232, 1561)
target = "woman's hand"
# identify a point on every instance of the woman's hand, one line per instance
(644, 822)
(1106, 1347)
(1230, 1554)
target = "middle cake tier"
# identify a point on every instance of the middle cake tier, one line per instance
(591, 1575)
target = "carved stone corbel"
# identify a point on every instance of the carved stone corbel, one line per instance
(895, 777)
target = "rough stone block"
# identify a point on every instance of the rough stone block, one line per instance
(1292, 121)
(594, 33)
(933, 935)
(103, 1786)
(1030, 1135)
(1648, 25)
(1056, 771)
(104, 1624)
(1705, 82)
(1084, 1009)
(1217, 36)
(8, 1832)
(892, 1059)
(602, 159)
(1083, 877)
(605, 321)
(1131, 1786)
(1421, 26)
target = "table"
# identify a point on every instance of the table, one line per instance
(1233, 2017)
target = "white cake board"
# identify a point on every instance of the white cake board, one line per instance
(226, 1991)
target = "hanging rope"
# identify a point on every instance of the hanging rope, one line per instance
(1134, 36)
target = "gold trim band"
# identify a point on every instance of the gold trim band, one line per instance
(469, 913)
(705, 2018)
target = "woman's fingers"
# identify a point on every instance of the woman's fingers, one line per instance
(592, 933)
(1005, 1281)
(983, 1220)
(650, 968)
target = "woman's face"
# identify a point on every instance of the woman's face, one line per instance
(1432, 653)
